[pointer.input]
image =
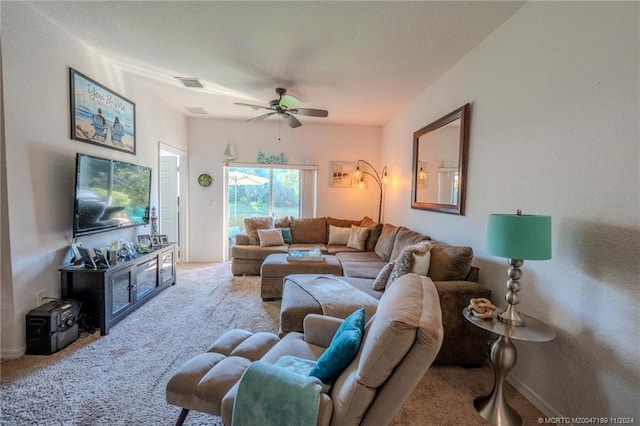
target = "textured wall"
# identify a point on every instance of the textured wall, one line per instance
(40, 156)
(554, 130)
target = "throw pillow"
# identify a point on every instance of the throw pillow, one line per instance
(380, 282)
(358, 238)
(270, 237)
(252, 224)
(342, 349)
(338, 235)
(286, 235)
(406, 261)
(450, 263)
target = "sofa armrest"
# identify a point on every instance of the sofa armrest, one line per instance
(242, 239)
(319, 329)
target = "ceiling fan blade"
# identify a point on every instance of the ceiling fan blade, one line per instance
(288, 101)
(252, 106)
(291, 121)
(260, 117)
(311, 112)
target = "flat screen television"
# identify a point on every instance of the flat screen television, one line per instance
(109, 194)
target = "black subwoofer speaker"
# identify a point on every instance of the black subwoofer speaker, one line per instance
(52, 326)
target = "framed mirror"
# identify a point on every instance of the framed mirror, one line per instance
(439, 172)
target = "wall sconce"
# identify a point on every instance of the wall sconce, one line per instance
(422, 175)
(380, 179)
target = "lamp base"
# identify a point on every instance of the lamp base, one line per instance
(511, 315)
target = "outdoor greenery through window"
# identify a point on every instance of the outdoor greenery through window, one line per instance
(267, 191)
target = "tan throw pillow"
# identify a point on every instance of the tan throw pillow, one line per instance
(338, 235)
(358, 237)
(380, 282)
(270, 237)
(252, 224)
(413, 258)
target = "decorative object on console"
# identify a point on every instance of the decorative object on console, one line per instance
(145, 241)
(518, 237)
(379, 178)
(97, 112)
(154, 222)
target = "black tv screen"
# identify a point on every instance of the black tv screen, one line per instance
(109, 195)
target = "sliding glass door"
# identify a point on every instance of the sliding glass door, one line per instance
(269, 191)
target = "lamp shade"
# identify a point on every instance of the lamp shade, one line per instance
(524, 237)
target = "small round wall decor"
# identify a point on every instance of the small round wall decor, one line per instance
(205, 180)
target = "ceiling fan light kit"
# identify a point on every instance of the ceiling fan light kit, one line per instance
(285, 107)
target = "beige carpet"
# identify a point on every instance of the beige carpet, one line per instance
(119, 379)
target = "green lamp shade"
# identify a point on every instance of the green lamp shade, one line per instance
(524, 237)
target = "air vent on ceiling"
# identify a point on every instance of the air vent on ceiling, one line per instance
(197, 110)
(190, 82)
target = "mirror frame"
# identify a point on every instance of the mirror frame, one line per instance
(464, 114)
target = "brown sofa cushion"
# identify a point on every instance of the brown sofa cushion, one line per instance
(283, 222)
(342, 223)
(252, 224)
(374, 233)
(450, 263)
(384, 246)
(404, 238)
(309, 230)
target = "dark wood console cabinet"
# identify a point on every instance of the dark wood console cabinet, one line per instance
(108, 295)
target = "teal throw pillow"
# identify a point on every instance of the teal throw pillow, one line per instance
(342, 349)
(286, 235)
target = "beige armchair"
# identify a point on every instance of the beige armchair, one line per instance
(400, 342)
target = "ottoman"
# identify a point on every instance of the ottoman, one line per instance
(276, 266)
(202, 382)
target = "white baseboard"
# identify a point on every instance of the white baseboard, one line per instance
(12, 353)
(533, 397)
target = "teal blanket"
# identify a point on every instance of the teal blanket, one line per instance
(271, 395)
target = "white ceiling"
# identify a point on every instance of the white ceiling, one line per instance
(362, 61)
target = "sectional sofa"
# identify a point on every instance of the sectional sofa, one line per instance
(364, 263)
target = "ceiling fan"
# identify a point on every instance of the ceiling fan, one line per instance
(285, 107)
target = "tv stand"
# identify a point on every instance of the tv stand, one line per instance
(108, 295)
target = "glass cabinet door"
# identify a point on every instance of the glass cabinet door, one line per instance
(167, 271)
(147, 278)
(121, 291)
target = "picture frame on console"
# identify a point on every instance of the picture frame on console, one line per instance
(75, 251)
(100, 116)
(155, 240)
(164, 240)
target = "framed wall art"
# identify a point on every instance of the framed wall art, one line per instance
(341, 174)
(100, 116)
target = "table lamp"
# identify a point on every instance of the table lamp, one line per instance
(518, 237)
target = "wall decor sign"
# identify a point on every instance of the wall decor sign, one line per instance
(342, 174)
(263, 158)
(100, 116)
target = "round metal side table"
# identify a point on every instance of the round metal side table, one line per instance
(503, 356)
